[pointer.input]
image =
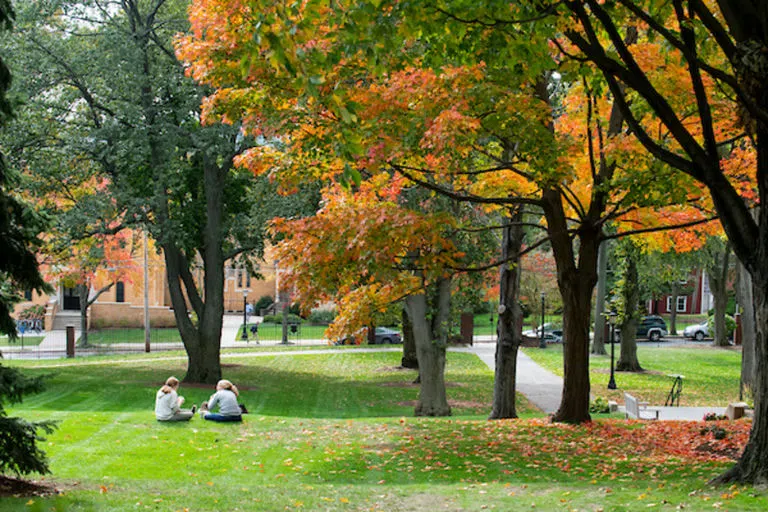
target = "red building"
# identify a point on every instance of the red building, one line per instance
(695, 298)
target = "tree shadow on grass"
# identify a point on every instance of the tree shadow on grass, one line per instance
(372, 390)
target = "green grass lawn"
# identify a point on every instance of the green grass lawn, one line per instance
(335, 432)
(274, 332)
(131, 335)
(28, 341)
(485, 324)
(711, 375)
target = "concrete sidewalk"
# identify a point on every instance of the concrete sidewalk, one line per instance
(544, 389)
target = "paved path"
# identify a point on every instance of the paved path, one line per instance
(543, 388)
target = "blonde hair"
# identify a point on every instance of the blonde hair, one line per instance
(225, 384)
(171, 383)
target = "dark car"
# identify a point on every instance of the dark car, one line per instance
(384, 336)
(652, 327)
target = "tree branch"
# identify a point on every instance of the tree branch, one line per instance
(702, 103)
(189, 284)
(658, 229)
(100, 292)
(548, 11)
(500, 262)
(468, 198)
(633, 76)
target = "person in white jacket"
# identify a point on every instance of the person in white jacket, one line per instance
(226, 400)
(168, 403)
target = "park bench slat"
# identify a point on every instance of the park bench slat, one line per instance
(634, 409)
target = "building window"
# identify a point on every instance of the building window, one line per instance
(243, 277)
(27, 294)
(120, 292)
(682, 304)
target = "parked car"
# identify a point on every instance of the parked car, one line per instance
(552, 333)
(697, 332)
(383, 336)
(386, 336)
(652, 327)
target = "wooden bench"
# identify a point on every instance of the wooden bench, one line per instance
(635, 409)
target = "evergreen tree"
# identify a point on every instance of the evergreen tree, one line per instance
(19, 451)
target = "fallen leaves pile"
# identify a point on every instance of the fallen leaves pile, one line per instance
(542, 450)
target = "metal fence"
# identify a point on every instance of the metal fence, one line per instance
(37, 344)
(33, 343)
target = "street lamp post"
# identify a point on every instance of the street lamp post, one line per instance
(244, 336)
(612, 320)
(542, 343)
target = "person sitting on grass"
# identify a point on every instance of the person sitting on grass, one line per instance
(226, 399)
(168, 403)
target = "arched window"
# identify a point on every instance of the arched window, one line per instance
(120, 292)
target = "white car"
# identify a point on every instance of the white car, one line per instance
(697, 332)
(552, 333)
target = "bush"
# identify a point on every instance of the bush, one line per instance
(712, 416)
(322, 316)
(278, 319)
(730, 325)
(36, 311)
(599, 406)
(264, 302)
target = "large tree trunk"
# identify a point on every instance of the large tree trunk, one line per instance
(510, 322)
(721, 334)
(409, 360)
(203, 359)
(744, 298)
(753, 465)
(718, 283)
(598, 342)
(628, 361)
(202, 340)
(576, 284)
(577, 292)
(673, 305)
(431, 344)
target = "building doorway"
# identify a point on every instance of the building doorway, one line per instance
(71, 300)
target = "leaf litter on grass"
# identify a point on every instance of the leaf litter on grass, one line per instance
(598, 451)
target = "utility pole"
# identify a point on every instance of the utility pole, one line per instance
(146, 292)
